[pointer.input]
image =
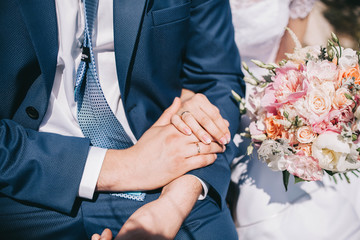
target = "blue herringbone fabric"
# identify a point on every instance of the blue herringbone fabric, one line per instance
(96, 119)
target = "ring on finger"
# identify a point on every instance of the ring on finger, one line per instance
(198, 148)
(183, 113)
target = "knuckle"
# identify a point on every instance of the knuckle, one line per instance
(203, 161)
(215, 110)
(212, 158)
(200, 96)
(186, 105)
(205, 121)
(206, 148)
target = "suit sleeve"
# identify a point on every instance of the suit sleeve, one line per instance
(40, 168)
(212, 67)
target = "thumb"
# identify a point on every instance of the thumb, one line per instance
(165, 118)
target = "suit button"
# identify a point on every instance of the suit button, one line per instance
(32, 112)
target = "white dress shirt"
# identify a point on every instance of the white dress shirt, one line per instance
(61, 115)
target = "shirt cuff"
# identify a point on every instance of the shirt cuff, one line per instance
(205, 189)
(91, 172)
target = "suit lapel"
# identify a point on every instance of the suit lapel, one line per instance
(40, 19)
(128, 16)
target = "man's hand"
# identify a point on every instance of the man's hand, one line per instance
(162, 218)
(105, 235)
(197, 115)
(161, 155)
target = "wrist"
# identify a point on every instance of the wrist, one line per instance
(114, 174)
(183, 191)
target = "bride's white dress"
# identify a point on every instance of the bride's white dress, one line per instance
(263, 210)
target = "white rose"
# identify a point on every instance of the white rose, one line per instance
(332, 152)
(348, 59)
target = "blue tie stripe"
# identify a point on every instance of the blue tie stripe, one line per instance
(96, 119)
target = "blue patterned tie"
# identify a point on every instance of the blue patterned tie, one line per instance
(96, 119)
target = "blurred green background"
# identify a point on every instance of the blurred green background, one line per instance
(344, 16)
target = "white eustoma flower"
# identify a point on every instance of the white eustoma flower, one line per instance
(348, 59)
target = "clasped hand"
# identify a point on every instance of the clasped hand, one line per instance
(186, 136)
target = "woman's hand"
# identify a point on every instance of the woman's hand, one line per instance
(198, 116)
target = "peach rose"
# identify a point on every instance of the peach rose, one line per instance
(353, 72)
(305, 134)
(305, 148)
(340, 100)
(319, 102)
(273, 128)
(289, 135)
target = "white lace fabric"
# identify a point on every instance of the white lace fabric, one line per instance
(301, 8)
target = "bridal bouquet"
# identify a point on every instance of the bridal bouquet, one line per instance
(305, 114)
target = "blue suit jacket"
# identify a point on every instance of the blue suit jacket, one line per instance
(161, 46)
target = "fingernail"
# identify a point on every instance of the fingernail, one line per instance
(206, 139)
(188, 131)
(224, 148)
(228, 137)
(223, 140)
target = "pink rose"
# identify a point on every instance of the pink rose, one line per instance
(341, 115)
(320, 127)
(346, 115)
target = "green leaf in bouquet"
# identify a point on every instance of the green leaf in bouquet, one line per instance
(297, 122)
(330, 172)
(354, 137)
(286, 176)
(297, 179)
(348, 96)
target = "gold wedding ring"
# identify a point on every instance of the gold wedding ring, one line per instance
(198, 147)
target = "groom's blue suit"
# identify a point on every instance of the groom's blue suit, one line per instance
(161, 46)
